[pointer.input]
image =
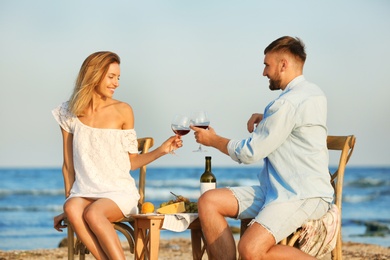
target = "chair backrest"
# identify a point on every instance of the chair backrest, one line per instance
(344, 144)
(143, 147)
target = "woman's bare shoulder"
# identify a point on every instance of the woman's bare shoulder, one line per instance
(126, 113)
(123, 106)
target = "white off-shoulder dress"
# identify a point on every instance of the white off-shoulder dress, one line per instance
(101, 161)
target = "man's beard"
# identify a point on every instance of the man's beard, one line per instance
(275, 84)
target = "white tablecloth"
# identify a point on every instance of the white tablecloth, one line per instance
(178, 222)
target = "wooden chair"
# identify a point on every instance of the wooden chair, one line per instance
(345, 145)
(126, 225)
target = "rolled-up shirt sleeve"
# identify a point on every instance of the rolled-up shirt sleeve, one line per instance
(232, 150)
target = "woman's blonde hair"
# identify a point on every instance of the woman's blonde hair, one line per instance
(91, 74)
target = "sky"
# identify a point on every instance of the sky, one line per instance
(178, 56)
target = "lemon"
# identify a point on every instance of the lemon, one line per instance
(147, 207)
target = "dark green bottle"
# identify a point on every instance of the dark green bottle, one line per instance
(207, 180)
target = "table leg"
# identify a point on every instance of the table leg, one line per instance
(196, 242)
(154, 238)
(147, 232)
(140, 234)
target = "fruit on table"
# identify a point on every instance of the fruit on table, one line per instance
(147, 207)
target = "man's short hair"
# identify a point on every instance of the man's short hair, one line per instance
(288, 44)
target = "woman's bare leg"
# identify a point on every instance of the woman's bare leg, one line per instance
(99, 216)
(74, 209)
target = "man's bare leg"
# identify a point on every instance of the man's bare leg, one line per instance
(213, 207)
(258, 243)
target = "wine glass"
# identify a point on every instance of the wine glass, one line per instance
(200, 119)
(180, 125)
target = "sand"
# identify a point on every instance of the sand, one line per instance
(180, 248)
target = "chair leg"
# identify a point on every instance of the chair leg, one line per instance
(70, 242)
(80, 249)
(127, 232)
(337, 252)
(82, 256)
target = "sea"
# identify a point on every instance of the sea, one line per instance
(29, 198)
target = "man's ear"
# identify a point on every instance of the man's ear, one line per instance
(283, 64)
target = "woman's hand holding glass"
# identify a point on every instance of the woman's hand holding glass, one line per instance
(180, 126)
(171, 144)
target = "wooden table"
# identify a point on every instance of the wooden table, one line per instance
(147, 235)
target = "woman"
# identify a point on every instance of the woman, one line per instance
(99, 149)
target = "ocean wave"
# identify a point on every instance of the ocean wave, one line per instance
(367, 183)
(183, 183)
(373, 228)
(191, 183)
(237, 182)
(164, 193)
(31, 208)
(360, 198)
(33, 192)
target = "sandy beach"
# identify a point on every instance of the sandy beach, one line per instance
(180, 248)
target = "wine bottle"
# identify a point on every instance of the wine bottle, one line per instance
(207, 180)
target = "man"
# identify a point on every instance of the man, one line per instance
(294, 184)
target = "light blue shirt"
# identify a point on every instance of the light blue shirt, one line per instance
(291, 139)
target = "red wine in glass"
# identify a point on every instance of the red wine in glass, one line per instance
(180, 125)
(200, 119)
(203, 126)
(179, 131)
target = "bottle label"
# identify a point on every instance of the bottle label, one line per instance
(205, 186)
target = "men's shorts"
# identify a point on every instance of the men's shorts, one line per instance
(281, 218)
